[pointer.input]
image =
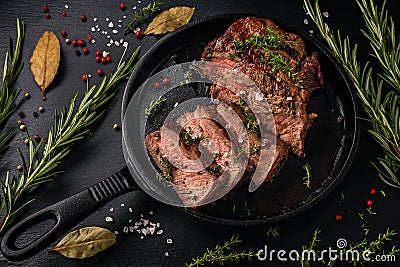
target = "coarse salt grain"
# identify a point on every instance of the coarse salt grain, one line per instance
(119, 25)
(119, 21)
(122, 205)
(126, 229)
(326, 14)
(116, 232)
(139, 2)
(169, 241)
(121, 41)
(115, 31)
(124, 16)
(131, 229)
(94, 19)
(305, 21)
(109, 219)
(141, 237)
(111, 209)
(125, 44)
(93, 29)
(159, 232)
(134, 7)
(166, 254)
(108, 44)
(130, 209)
(110, 25)
(151, 212)
(311, 31)
(117, 43)
(66, 6)
(107, 19)
(176, 104)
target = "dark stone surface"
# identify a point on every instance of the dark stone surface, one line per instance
(100, 156)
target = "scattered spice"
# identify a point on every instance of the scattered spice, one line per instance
(85, 50)
(64, 14)
(149, 9)
(369, 203)
(74, 42)
(273, 231)
(83, 18)
(67, 41)
(109, 219)
(373, 191)
(100, 72)
(116, 126)
(45, 140)
(35, 114)
(84, 77)
(157, 85)
(48, 16)
(383, 193)
(137, 34)
(20, 122)
(46, 9)
(21, 114)
(22, 127)
(338, 217)
(307, 178)
(77, 52)
(27, 95)
(41, 109)
(166, 80)
(26, 141)
(63, 33)
(19, 167)
(36, 138)
(122, 6)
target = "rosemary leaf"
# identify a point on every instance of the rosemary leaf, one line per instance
(8, 94)
(69, 127)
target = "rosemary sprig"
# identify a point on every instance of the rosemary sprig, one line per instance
(149, 9)
(68, 128)
(222, 254)
(307, 178)
(382, 109)
(8, 94)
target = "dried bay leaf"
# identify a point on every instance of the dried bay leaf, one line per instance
(85, 242)
(45, 60)
(170, 20)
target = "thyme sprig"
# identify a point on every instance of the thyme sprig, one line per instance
(382, 108)
(310, 247)
(273, 231)
(149, 9)
(8, 94)
(153, 105)
(222, 254)
(68, 127)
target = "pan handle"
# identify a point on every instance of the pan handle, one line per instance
(65, 214)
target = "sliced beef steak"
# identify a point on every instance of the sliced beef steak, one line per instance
(276, 62)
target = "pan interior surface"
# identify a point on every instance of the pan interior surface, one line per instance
(329, 146)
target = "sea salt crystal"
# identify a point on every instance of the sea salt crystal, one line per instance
(326, 14)
(116, 232)
(166, 254)
(139, 2)
(145, 222)
(134, 8)
(117, 43)
(119, 25)
(93, 41)
(94, 19)
(130, 220)
(110, 25)
(111, 41)
(109, 219)
(108, 44)
(115, 31)
(107, 19)
(141, 237)
(66, 6)
(130, 209)
(125, 44)
(259, 97)
(108, 36)
(93, 29)
(120, 21)
(305, 21)
(311, 31)
(159, 232)
(126, 229)
(169, 241)
(131, 229)
(124, 16)
(121, 41)
(98, 29)
(176, 104)
(151, 212)
(122, 205)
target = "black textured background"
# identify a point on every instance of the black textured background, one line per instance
(101, 155)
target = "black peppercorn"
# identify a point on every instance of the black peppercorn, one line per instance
(77, 52)
(21, 114)
(35, 114)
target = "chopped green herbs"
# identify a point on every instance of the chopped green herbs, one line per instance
(216, 169)
(251, 123)
(187, 138)
(166, 168)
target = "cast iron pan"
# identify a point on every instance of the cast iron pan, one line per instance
(329, 149)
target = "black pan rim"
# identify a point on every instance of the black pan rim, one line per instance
(312, 201)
